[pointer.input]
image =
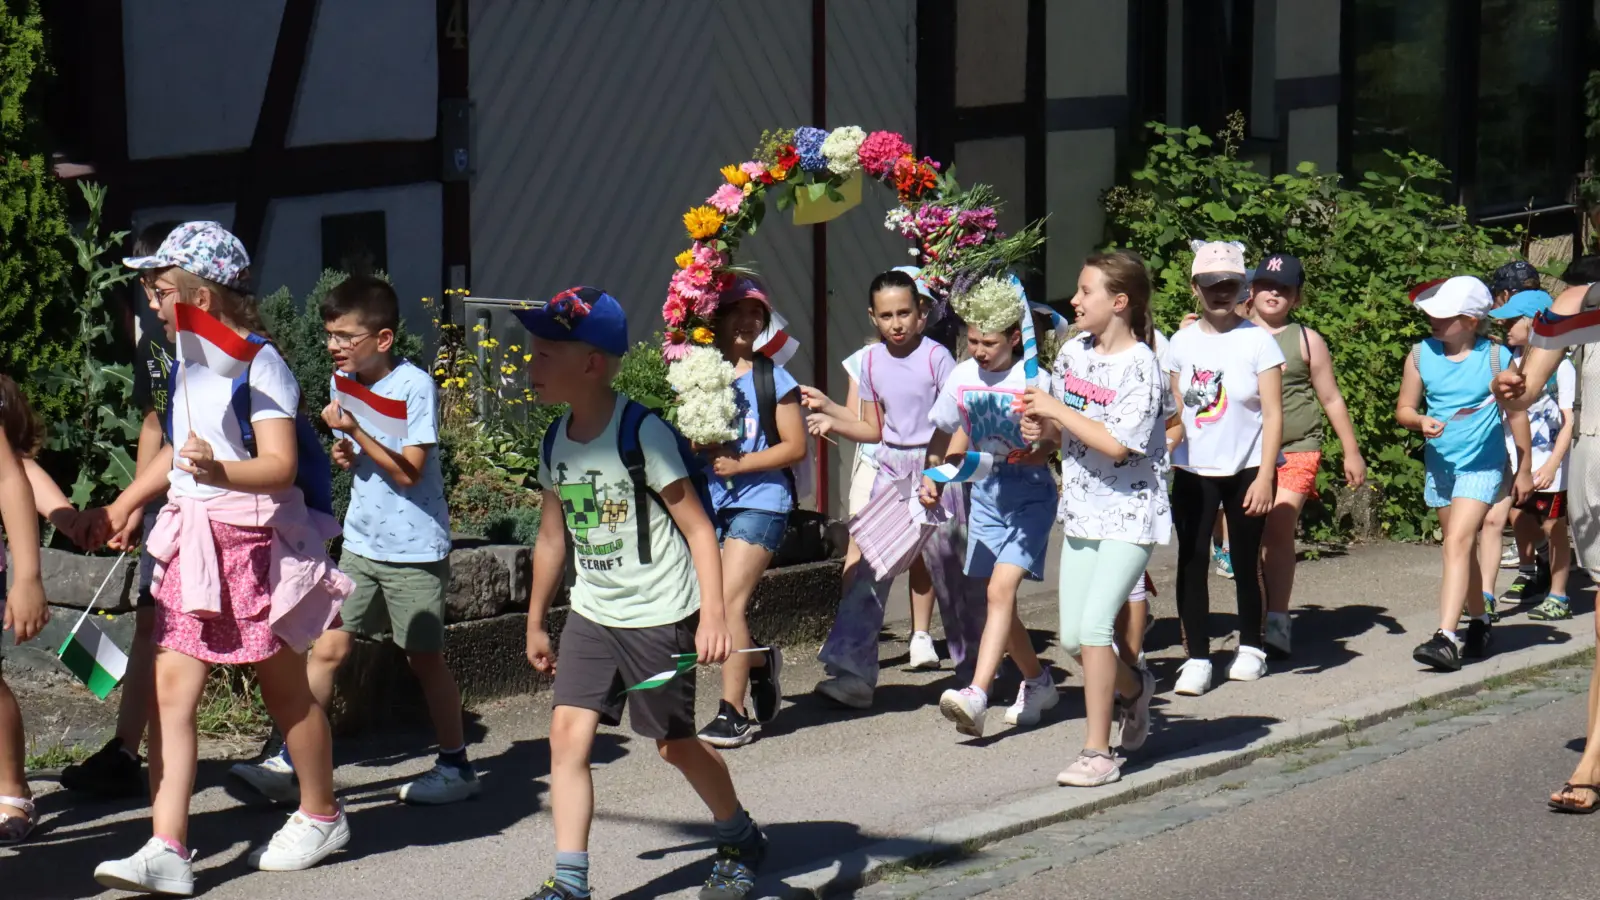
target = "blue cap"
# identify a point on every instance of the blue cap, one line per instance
(1523, 303)
(1513, 276)
(584, 315)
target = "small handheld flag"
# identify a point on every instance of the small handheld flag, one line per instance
(383, 413)
(1552, 331)
(89, 653)
(974, 467)
(1030, 343)
(681, 663)
(203, 339)
(775, 343)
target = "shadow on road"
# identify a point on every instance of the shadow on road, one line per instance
(790, 846)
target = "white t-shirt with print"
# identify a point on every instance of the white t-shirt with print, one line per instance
(1219, 393)
(274, 394)
(1102, 499)
(1545, 418)
(852, 365)
(983, 404)
(613, 588)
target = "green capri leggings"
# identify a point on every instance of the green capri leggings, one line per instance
(1096, 577)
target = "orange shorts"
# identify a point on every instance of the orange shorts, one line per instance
(1299, 472)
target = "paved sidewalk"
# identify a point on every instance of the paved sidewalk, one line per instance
(829, 786)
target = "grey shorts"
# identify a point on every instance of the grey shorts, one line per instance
(595, 664)
(1583, 500)
(147, 563)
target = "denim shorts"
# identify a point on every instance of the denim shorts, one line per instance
(1445, 484)
(1009, 521)
(761, 527)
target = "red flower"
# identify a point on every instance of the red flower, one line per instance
(765, 177)
(788, 157)
(912, 177)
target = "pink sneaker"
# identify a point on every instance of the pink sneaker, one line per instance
(1091, 769)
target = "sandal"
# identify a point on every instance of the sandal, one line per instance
(15, 829)
(1566, 804)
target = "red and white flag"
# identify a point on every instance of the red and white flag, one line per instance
(385, 414)
(203, 339)
(1553, 331)
(777, 344)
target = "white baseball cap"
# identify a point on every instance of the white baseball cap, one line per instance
(1446, 298)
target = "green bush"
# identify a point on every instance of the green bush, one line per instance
(296, 330)
(515, 526)
(1363, 249)
(34, 302)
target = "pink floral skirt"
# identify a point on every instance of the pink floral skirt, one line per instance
(241, 633)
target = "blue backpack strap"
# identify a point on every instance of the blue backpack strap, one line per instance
(241, 401)
(631, 450)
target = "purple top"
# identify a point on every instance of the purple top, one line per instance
(906, 387)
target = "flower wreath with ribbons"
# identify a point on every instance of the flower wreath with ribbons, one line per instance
(954, 232)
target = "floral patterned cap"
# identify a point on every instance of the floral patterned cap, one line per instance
(205, 249)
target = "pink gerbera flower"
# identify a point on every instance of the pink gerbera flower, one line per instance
(707, 255)
(685, 285)
(753, 169)
(727, 200)
(706, 306)
(674, 309)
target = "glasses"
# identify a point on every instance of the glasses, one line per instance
(160, 294)
(347, 341)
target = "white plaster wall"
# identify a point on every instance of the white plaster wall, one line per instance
(1314, 136)
(991, 66)
(372, 73)
(1308, 38)
(217, 212)
(196, 71)
(291, 246)
(1081, 164)
(1086, 48)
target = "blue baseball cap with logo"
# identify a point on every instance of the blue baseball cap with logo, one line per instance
(1523, 303)
(1280, 268)
(585, 315)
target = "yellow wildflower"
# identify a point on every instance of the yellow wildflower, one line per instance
(684, 259)
(735, 176)
(490, 343)
(701, 335)
(527, 357)
(703, 222)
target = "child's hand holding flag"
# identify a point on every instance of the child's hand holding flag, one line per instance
(197, 458)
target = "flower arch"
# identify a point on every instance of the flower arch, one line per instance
(954, 233)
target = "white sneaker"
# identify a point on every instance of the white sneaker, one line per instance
(846, 690)
(967, 708)
(155, 869)
(1136, 715)
(273, 778)
(923, 655)
(1194, 678)
(1249, 664)
(1279, 632)
(440, 785)
(1033, 698)
(302, 843)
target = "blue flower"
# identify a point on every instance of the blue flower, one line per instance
(808, 143)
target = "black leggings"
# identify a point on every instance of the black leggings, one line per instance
(1195, 499)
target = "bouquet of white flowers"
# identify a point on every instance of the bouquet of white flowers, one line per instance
(704, 382)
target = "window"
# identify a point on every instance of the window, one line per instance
(1518, 160)
(1399, 99)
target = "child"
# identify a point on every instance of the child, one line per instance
(1465, 454)
(863, 476)
(1111, 405)
(1275, 292)
(1227, 373)
(901, 378)
(753, 491)
(23, 612)
(629, 618)
(113, 770)
(396, 534)
(241, 575)
(1012, 508)
(1550, 423)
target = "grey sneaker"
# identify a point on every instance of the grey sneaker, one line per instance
(440, 785)
(273, 778)
(155, 869)
(1136, 715)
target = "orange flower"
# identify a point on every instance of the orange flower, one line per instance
(702, 336)
(779, 173)
(684, 259)
(734, 176)
(703, 222)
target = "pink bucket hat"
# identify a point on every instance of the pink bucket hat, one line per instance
(1216, 262)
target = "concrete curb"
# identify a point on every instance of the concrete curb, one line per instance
(957, 836)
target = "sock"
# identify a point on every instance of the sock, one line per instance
(572, 871)
(1277, 617)
(1559, 598)
(1484, 618)
(1488, 597)
(177, 846)
(982, 694)
(739, 830)
(456, 757)
(323, 819)
(1044, 679)
(1452, 636)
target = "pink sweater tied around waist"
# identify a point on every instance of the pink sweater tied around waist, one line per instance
(307, 590)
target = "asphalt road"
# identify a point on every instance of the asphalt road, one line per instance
(1464, 817)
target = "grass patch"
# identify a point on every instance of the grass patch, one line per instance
(1301, 763)
(1231, 786)
(231, 706)
(56, 756)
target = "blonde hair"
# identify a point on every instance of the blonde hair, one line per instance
(231, 305)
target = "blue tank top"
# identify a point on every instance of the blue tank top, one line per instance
(1457, 394)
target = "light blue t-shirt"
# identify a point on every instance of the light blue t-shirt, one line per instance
(1457, 394)
(762, 490)
(386, 522)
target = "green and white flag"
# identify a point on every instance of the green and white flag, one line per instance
(90, 653)
(681, 664)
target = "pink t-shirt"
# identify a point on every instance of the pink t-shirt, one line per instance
(905, 388)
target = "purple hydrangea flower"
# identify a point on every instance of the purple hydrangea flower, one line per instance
(808, 143)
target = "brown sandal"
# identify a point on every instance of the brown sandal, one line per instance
(1569, 805)
(15, 829)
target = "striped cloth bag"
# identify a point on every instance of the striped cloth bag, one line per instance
(892, 527)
